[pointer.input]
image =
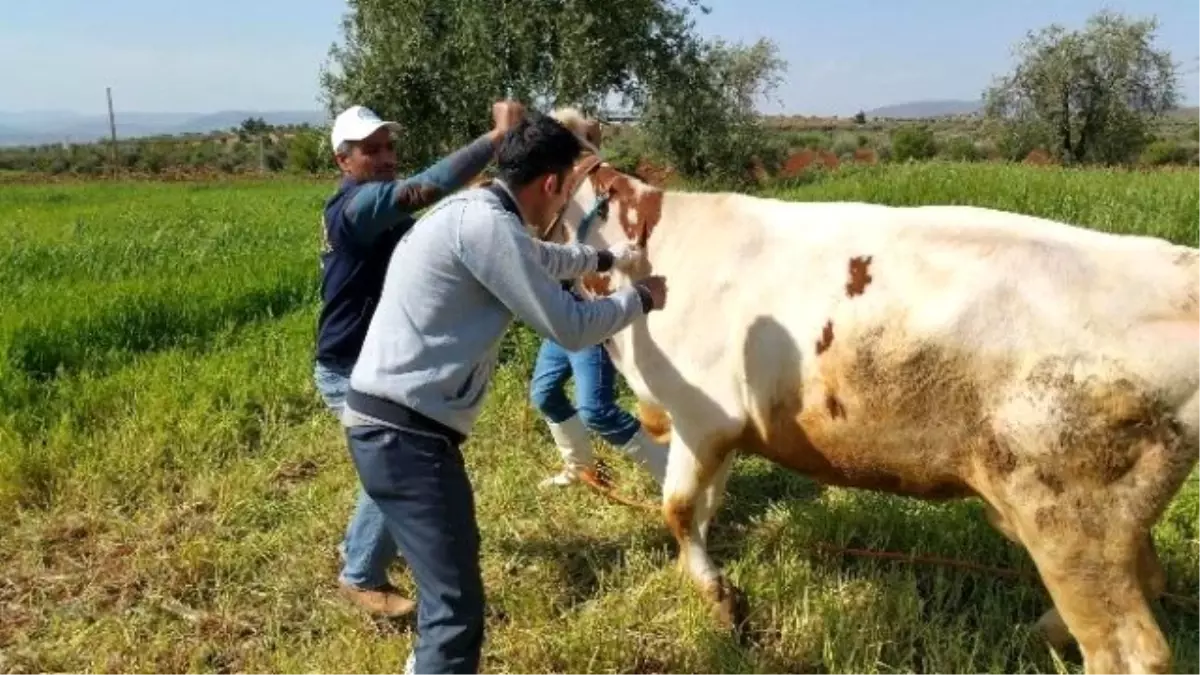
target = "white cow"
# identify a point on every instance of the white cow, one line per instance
(938, 352)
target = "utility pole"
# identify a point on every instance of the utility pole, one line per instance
(112, 127)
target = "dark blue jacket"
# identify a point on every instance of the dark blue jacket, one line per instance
(362, 224)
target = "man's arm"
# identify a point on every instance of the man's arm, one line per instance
(571, 261)
(376, 207)
(504, 258)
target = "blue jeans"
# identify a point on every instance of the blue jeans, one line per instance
(420, 483)
(367, 547)
(595, 390)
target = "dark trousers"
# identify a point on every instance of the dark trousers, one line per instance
(421, 486)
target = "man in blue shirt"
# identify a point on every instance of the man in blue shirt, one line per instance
(362, 222)
(453, 287)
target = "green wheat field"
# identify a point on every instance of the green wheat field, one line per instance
(173, 491)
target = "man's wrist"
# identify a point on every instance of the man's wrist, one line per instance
(646, 298)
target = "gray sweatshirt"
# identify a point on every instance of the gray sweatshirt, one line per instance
(453, 286)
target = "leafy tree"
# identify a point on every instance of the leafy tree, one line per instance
(860, 117)
(1163, 152)
(1088, 95)
(701, 113)
(308, 152)
(435, 65)
(253, 126)
(913, 141)
(960, 149)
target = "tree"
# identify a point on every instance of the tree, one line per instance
(1088, 95)
(860, 117)
(253, 126)
(435, 65)
(308, 152)
(913, 141)
(701, 113)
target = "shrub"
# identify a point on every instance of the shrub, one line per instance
(913, 141)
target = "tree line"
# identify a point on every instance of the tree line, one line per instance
(1094, 95)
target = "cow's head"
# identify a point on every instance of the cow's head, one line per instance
(605, 206)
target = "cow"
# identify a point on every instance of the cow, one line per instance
(939, 352)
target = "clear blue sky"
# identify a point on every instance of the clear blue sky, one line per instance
(207, 55)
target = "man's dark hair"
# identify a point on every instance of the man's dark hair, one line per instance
(538, 145)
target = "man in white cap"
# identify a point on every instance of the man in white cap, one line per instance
(362, 223)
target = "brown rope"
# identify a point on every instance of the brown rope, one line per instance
(599, 480)
(1183, 600)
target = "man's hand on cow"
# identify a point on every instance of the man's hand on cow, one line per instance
(626, 256)
(653, 289)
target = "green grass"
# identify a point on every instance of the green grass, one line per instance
(173, 490)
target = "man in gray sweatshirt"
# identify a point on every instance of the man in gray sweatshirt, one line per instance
(453, 286)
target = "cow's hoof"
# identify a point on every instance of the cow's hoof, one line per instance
(730, 607)
(1054, 630)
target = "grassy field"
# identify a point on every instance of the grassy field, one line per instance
(173, 491)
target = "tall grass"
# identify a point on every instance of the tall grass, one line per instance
(173, 489)
(1156, 203)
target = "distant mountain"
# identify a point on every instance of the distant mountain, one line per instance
(232, 118)
(945, 108)
(38, 127)
(933, 108)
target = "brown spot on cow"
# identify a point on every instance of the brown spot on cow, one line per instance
(998, 458)
(836, 409)
(892, 389)
(678, 515)
(810, 444)
(826, 338)
(655, 421)
(1048, 518)
(1108, 423)
(1051, 481)
(598, 284)
(860, 276)
(638, 205)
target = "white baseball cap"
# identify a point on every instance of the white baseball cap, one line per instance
(356, 123)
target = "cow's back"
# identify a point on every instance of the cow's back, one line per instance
(903, 349)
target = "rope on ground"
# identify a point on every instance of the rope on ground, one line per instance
(1029, 575)
(599, 480)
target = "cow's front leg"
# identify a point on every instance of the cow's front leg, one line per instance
(695, 474)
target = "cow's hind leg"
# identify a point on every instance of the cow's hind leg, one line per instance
(1050, 625)
(1149, 570)
(695, 475)
(1093, 562)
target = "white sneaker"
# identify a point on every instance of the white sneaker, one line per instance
(410, 665)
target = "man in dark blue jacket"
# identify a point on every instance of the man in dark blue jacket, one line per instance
(362, 222)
